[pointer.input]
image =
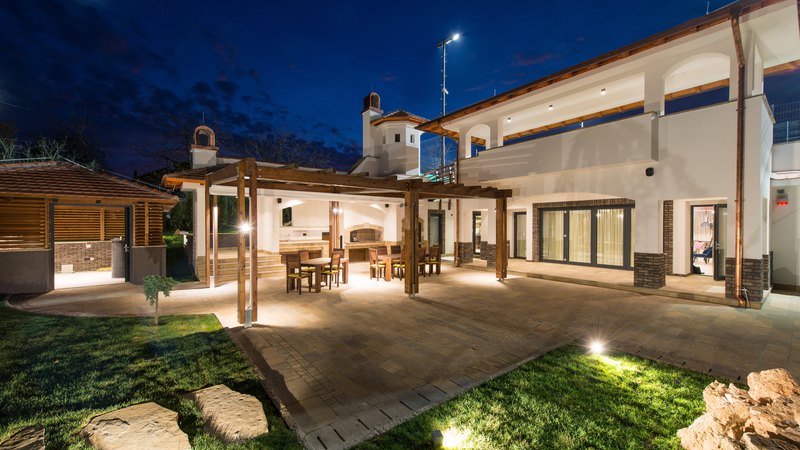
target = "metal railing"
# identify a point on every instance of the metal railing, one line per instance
(444, 175)
(787, 122)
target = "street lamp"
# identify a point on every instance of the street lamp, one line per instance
(443, 45)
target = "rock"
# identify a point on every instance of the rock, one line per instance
(773, 383)
(28, 438)
(146, 425)
(706, 434)
(765, 417)
(777, 418)
(229, 415)
(753, 441)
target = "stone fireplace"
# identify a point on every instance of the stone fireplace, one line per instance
(360, 238)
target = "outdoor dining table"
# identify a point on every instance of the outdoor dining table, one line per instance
(390, 258)
(318, 264)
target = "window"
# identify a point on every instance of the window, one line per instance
(397, 137)
(600, 236)
(412, 138)
(286, 217)
(384, 139)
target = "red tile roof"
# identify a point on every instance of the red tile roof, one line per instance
(59, 179)
(399, 116)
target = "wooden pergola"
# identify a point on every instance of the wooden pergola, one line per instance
(247, 176)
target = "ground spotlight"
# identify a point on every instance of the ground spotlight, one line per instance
(597, 347)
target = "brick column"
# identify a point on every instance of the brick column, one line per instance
(536, 252)
(668, 208)
(648, 270)
(752, 278)
(464, 252)
(489, 253)
(767, 271)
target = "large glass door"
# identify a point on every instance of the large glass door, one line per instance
(720, 240)
(436, 228)
(519, 234)
(476, 232)
(589, 236)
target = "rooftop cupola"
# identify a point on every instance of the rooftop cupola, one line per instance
(204, 147)
(372, 102)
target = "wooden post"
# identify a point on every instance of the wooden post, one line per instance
(411, 241)
(253, 191)
(215, 233)
(241, 255)
(456, 250)
(102, 224)
(333, 225)
(501, 249)
(207, 231)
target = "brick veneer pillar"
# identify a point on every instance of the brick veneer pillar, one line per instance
(752, 278)
(648, 270)
(489, 253)
(767, 271)
(668, 208)
(464, 252)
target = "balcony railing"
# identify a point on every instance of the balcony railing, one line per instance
(445, 175)
(787, 122)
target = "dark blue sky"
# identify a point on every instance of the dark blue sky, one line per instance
(130, 67)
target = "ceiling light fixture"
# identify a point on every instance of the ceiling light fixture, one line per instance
(603, 91)
(550, 108)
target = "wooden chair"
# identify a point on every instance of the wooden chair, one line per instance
(396, 249)
(376, 266)
(422, 260)
(382, 250)
(399, 269)
(333, 269)
(304, 255)
(434, 259)
(294, 275)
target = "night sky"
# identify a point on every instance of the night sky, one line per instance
(129, 68)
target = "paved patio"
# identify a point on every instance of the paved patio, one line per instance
(349, 363)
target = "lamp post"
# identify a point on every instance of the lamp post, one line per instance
(443, 45)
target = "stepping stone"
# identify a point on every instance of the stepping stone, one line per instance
(229, 415)
(28, 438)
(146, 425)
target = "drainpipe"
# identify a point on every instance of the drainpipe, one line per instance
(739, 253)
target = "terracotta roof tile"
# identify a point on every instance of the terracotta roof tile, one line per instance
(56, 179)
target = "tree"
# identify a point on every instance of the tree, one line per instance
(155, 284)
(287, 148)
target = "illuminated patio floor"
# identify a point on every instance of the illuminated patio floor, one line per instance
(348, 363)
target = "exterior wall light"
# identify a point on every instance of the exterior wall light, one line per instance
(244, 227)
(782, 199)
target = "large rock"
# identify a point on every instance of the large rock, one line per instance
(773, 383)
(146, 425)
(229, 415)
(28, 438)
(765, 417)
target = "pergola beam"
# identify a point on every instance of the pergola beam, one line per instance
(227, 173)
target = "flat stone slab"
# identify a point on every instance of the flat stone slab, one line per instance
(229, 415)
(28, 438)
(146, 425)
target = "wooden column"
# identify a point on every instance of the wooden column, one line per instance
(207, 230)
(253, 191)
(501, 248)
(333, 225)
(241, 255)
(215, 234)
(411, 241)
(456, 250)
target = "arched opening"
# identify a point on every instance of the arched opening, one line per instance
(480, 131)
(697, 81)
(204, 137)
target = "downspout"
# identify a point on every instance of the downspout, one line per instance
(739, 251)
(457, 250)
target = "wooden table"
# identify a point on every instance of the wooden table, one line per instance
(318, 264)
(387, 273)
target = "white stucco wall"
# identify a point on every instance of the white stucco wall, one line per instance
(696, 160)
(785, 237)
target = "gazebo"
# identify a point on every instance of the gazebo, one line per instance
(247, 176)
(58, 213)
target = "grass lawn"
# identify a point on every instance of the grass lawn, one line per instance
(61, 371)
(565, 399)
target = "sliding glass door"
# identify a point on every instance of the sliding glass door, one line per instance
(596, 236)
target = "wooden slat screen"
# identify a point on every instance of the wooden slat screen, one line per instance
(148, 224)
(91, 223)
(114, 223)
(23, 223)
